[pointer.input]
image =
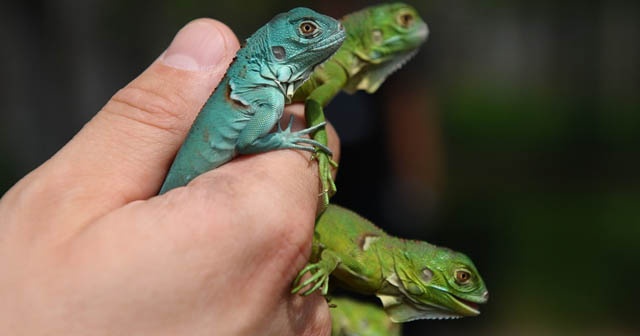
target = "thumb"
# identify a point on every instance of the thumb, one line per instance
(123, 153)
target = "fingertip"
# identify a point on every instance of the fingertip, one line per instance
(200, 45)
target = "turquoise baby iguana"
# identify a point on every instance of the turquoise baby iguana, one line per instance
(380, 39)
(413, 279)
(250, 99)
(354, 318)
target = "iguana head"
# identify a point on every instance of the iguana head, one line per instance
(383, 38)
(441, 284)
(296, 42)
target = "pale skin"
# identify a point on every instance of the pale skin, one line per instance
(86, 248)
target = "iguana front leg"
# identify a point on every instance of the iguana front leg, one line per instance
(251, 139)
(314, 115)
(286, 139)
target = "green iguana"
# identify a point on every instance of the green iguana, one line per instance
(380, 39)
(353, 318)
(250, 99)
(413, 279)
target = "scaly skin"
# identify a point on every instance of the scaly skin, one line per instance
(413, 279)
(379, 40)
(250, 99)
(353, 318)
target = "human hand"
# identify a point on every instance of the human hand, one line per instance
(86, 248)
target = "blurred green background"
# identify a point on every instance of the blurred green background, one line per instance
(512, 136)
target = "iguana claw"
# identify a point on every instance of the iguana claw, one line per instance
(297, 137)
(319, 278)
(286, 139)
(326, 178)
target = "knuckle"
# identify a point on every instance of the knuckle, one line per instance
(167, 110)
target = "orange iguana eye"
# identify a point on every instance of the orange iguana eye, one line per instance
(405, 20)
(463, 277)
(307, 28)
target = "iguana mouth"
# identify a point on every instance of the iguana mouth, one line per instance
(462, 309)
(471, 305)
(472, 308)
(401, 306)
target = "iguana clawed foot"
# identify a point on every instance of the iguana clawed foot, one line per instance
(315, 116)
(320, 272)
(319, 279)
(293, 138)
(325, 163)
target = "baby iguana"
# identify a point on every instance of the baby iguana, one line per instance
(250, 99)
(354, 318)
(413, 279)
(380, 39)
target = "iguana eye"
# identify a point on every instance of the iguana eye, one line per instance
(462, 277)
(405, 20)
(307, 28)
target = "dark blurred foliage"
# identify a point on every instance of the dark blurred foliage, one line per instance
(512, 136)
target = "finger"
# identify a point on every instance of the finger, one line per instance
(258, 212)
(269, 201)
(124, 151)
(273, 199)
